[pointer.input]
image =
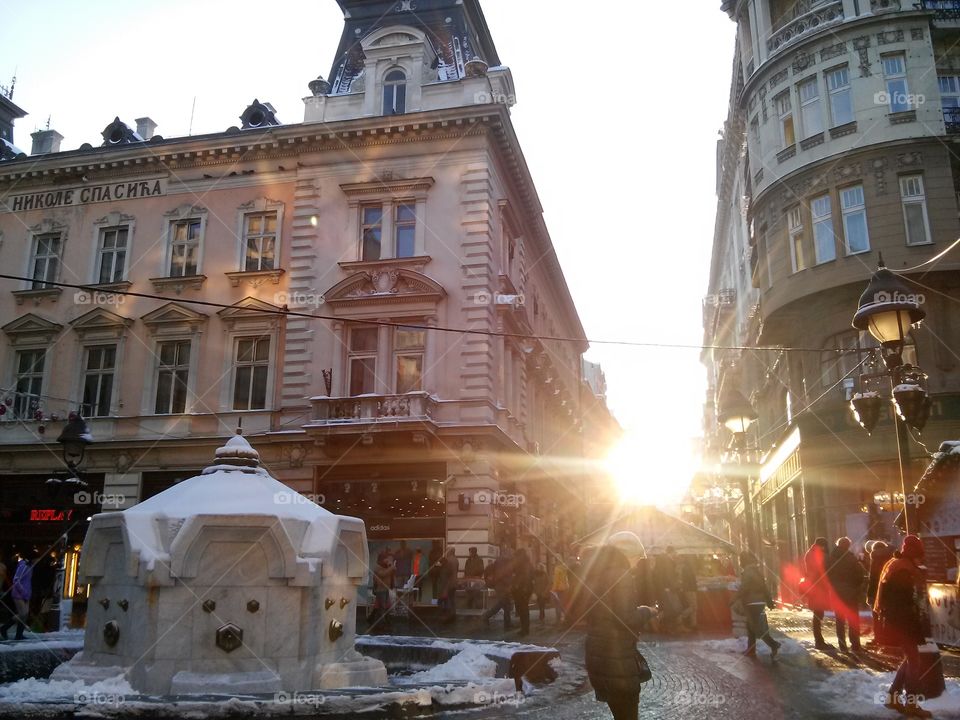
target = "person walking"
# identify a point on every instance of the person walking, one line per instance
(901, 604)
(383, 577)
(436, 554)
(559, 590)
(447, 569)
(403, 564)
(614, 665)
(499, 576)
(816, 591)
(880, 555)
(688, 586)
(541, 586)
(522, 588)
(21, 593)
(754, 595)
(847, 578)
(473, 574)
(666, 583)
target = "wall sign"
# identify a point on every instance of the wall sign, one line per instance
(945, 613)
(86, 194)
(50, 515)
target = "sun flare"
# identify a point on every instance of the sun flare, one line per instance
(651, 470)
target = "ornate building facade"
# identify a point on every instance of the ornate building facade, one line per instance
(345, 258)
(839, 145)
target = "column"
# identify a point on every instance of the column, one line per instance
(760, 15)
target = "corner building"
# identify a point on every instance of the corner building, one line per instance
(401, 206)
(840, 143)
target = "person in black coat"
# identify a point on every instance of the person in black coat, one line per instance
(522, 588)
(613, 624)
(848, 580)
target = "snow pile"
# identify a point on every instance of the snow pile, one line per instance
(71, 691)
(862, 692)
(62, 640)
(469, 664)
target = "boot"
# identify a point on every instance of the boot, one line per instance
(913, 709)
(895, 703)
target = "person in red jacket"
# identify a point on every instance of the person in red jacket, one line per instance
(902, 606)
(816, 591)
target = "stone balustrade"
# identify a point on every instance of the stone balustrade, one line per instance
(810, 18)
(372, 408)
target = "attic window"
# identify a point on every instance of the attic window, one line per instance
(395, 93)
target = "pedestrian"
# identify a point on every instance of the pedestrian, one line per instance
(667, 587)
(754, 595)
(473, 574)
(559, 589)
(901, 604)
(541, 586)
(816, 588)
(688, 586)
(522, 588)
(21, 591)
(416, 567)
(499, 576)
(880, 555)
(383, 576)
(847, 578)
(614, 665)
(403, 563)
(447, 569)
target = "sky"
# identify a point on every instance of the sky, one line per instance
(619, 106)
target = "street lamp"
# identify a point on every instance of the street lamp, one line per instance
(737, 415)
(887, 310)
(74, 440)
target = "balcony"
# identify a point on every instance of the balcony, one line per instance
(951, 118)
(372, 409)
(811, 16)
(945, 12)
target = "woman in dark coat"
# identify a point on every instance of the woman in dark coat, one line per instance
(613, 624)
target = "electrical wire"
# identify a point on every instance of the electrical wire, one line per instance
(931, 260)
(285, 312)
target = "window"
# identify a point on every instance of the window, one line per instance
(895, 74)
(795, 227)
(914, 210)
(824, 242)
(949, 91)
(251, 366)
(112, 254)
(28, 383)
(184, 247)
(363, 361)
(755, 131)
(395, 93)
(173, 372)
(785, 113)
(408, 348)
(260, 241)
(854, 219)
(405, 230)
(98, 380)
(371, 231)
(810, 113)
(46, 259)
(841, 102)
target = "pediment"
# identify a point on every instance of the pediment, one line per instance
(392, 36)
(100, 321)
(385, 286)
(32, 327)
(251, 314)
(173, 316)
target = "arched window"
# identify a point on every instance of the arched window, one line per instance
(395, 93)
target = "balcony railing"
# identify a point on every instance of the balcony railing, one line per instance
(805, 23)
(372, 408)
(943, 9)
(951, 118)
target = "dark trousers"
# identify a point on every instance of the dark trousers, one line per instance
(624, 707)
(20, 617)
(522, 600)
(757, 628)
(847, 616)
(818, 627)
(907, 677)
(504, 601)
(542, 599)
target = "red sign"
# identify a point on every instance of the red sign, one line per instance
(50, 515)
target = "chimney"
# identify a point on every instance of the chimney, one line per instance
(46, 141)
(146, 128)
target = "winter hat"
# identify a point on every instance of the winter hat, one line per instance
(912, 548)
(628, 543)
(822, 542)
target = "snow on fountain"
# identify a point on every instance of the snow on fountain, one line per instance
(229, 582)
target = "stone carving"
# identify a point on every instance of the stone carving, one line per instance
(879, 167)
(861, 45)
(910, 159)
(778, 78)
(808, 16)
(848, 172)
(802, 61)
(229, 637)
(916, 34)
(832, 51)
(111, 633)
(888, 38)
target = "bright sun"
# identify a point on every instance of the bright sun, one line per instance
(651, 470)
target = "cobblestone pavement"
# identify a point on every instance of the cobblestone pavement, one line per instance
(698, 677)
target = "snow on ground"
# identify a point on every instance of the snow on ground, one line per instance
(861, 692)
(34, 690)
(788, 646)
(45, 641)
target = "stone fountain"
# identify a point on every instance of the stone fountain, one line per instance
(228, 582)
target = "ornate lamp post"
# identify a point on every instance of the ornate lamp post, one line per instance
(737, 415)
(887, 310)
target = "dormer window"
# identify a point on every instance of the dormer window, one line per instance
(395, 93)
